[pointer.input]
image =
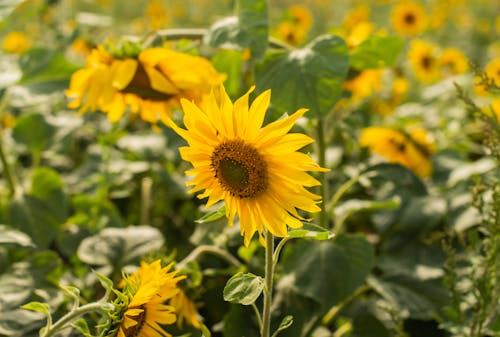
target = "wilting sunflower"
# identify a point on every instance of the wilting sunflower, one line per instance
(424, 60)
(185, 310)
(412, 149)
(408, 18)
(256, 170)
(147, 290)
(453, 62)
(16, 43)
(149, 83)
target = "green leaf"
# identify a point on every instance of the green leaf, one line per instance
(114, 248)
(230, 62)
(205, 332)
(34, 131)
(213, 216)
(12, 236)
(310, 77)
(352, 206)
(329, 271)
(311, 231)
(82, 327)
(37, 306)
(243, 288)
(43, 64)
(377, 52)
(286, 322)
(249, 29)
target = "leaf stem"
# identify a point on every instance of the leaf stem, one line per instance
(321, 147)
(268, 289)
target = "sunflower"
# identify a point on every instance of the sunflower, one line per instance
(453, 61)
(147, 290)
(424, 60)
(157, 15)
(185, 309)
(301, 16)
(412, 149)
(492, 71)
(408, 18)
(149, 82)
(16, 43)
(366, 84)
(256, 170)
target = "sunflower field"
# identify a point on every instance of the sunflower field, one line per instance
(249, 168)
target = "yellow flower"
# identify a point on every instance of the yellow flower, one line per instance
(412, 150)
(495, 107)
(492, 69)
(147, 290)
(157, 15)
(81, 46)
(256, 170)
(290, 33)
(360, 13)
(185, 310)
(424, 60)
(149, 84)
(16, 43)
(301, 16)
(453, 62)
(366, 84)
(408, 18)
(359, 33)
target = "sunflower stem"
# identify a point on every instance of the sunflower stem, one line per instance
(268, 288)
(146, 185)
(321, 146)
(72, 316)
(7, 169)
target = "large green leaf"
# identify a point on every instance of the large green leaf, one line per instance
(41, 211)
(249, 29)
(114, 248)
(243, 288)
(34, 131)
(42, 64)
(310, 77)
(10, 236)
(329, 271)
(377, 52)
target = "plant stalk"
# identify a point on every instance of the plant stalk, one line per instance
(321, 147)
(268, 289)
(7, 169)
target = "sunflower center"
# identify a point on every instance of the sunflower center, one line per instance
(427, 62)
(135, 330)
(140, 85)
(409, 18)
(239, 168)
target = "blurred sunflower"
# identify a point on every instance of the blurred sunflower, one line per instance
(492, 70)
(360, 13)
(453, 62)
(148, 82)
(359, 33)
(366, 84)
(424, 60)
(185, 310)
(157, 15)
(146, 291)
(412, 150)
(295, 26)
(16, 43)
(408, 18)
(256, 170)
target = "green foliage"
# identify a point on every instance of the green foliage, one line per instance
(376, 52)
(243, 288)
(309, 77)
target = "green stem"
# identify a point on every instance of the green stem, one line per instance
(198, 251)
(340, 192)
(268, 289)
(278, 249)
(321, 146)
(146, 185)
(72, 316)
(6, 168)
(257, 314)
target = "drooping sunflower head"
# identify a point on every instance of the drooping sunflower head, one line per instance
(186, 310)
(148, 82)
(453, 62)
(145, 293)
(408, 18)
(257, 171)
(411, 149)
(424, 60)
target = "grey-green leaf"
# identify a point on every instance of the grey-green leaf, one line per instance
(310, 77)
(377, 52)
(286, 322)
(243, 288)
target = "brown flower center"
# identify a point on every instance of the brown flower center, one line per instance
(140, 85)
(409, 18)
(427, 62)
(134, 331)
(239, 168)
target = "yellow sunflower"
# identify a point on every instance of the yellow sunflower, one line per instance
(408, 18)
(412, 149)
(366, 84)
(492, 70)
(147, 290)
(301, 16)
(424, 60)
(185, 309)
(256, 170)
(157, 15)
(149, 83)
(453, 62)
(16, 43)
